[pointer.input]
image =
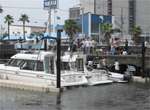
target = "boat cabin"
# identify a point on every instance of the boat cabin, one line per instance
(44, 61)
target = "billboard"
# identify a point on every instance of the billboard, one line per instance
(50, 4)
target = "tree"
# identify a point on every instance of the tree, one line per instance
(136, 32)
(40, 34)
(4, 35)
(107, 30)
(1, 10)
(9, 19)
(24, 18)
(36, 35)
(71, 28)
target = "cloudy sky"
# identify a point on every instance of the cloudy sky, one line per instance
(34, 9)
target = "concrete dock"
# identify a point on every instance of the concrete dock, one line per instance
(28, 86)
(141, 80)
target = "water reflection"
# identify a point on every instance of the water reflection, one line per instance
(132, 96)
(58, 101)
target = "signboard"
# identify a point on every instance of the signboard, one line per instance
(50, 4)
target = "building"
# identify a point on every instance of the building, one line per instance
(18, 29)
(92, 23)
(128, 13)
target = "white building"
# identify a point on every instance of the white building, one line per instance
(18, 29)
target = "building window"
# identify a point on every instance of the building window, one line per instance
(131, 12)
(18, 32)
(131, 23)
(109, 6)
(95, 28)
(131, 5)
(109, 13)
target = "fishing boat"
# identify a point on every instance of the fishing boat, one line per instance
(77, 62)
(114, 76)
(39, 67)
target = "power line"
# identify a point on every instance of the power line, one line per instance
(36, 8)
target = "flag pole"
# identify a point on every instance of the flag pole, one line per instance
(54, 25)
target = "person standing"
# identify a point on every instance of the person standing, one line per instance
(94, 45)
(126, 45)
(83, 46)
(88, 45)
(117, 66)
(112, 46)
(145, 43)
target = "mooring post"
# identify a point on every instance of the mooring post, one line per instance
(45, 44)
(58, 58)
(143, 60)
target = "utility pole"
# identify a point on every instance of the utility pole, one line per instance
(82, 21)
(2, 30)
(122, 22)
(54, 24)
(49, 24)
(94, 6)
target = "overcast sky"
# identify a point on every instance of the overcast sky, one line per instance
(34, 9)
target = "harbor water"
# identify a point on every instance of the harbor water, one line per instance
(116, 96)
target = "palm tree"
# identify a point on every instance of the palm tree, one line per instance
(136, 32)
(71, 28)
(40, 34)
(36, 35)
(1, 10)
(107, 30)
(8, 19)
(24, 18)
(4, 35)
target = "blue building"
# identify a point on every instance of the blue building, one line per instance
(92, 24)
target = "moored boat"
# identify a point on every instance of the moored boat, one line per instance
(38, 67)
(77, 62)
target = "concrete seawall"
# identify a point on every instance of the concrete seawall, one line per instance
(141, 80)
(27, 86)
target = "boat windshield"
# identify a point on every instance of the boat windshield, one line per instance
(79, 65)
(15, 62)
(65, 66)
(28, 65)
(32, 65)
(39, 66)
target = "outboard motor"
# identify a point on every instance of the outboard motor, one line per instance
(128, 75)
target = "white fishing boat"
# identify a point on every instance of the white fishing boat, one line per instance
(115, 77)
(77, 62)
(39, 67)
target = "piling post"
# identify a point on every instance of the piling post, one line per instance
(58, 58)
(45, 44)
(143, 60)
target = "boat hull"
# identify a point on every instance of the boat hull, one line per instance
(43, 78)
